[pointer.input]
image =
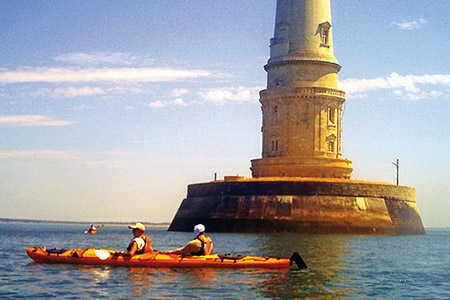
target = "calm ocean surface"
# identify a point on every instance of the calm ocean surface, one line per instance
(340, 266)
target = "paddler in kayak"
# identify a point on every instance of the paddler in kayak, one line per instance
(200, 245)
(92, 229)
(140, 243)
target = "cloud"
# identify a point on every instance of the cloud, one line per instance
(44, 154)
(71, 92)
(179, 92)
(410, 25)
(161, 104)
(134, 75)
(217, 95)
(114, 159)
(236, 94)
(408, 86)
(179, 102)
(32, 121)
(102, 58)
(158, 104)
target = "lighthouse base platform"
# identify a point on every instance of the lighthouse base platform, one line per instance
(302, 205)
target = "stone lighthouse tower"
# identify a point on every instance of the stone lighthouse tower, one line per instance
(302, 106)
(301, 183)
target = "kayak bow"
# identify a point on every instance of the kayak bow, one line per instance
(158, 260)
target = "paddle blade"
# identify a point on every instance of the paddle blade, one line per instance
(298, 261)
(102, 254)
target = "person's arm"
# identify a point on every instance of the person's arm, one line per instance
(192, 246)
(132, 250)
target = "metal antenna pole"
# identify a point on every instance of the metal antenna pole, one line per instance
(397, 165)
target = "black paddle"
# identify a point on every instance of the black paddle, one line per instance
(298, 261)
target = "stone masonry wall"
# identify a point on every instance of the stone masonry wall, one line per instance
(299, 206)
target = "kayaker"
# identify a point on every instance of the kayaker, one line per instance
(140, 243)
(200, 245)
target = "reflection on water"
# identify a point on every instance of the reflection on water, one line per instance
(325, 257)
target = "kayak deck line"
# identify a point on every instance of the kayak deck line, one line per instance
(94, 256)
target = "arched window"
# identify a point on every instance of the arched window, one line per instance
(274, 145)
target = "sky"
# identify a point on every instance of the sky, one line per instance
(109, 109)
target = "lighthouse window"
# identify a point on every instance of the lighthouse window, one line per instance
(274, 145)
(331, 146)
(324, 35)
(324, 30)
(331, 115)
(275, 114)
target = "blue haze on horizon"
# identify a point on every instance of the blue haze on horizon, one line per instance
(109, 109)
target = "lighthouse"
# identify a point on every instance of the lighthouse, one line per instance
(302, 105)
(302, 182)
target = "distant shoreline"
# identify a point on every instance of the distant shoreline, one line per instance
(9, 220)
(160, 224)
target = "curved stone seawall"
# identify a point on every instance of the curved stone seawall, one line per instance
(300, 205)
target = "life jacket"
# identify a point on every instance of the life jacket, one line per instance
(147, 245)
(207, 245)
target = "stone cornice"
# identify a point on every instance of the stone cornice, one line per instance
(302, 92)
(301, 61)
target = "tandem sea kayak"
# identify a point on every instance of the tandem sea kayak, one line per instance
(158, 260)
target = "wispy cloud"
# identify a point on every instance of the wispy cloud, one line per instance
(103, 58)
(416, 24)
(161, 104)
(32, 121)
(179, 92)
(70, 92)
(235, 94)
(93, 159)
(217, 95)
(43, 154)
(60, 75)
(407, 86)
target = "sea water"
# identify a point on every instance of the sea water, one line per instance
(340, 266)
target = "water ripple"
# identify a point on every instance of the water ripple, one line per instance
(340, 267)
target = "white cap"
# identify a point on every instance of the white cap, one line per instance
(139, 226)
(199, 228)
